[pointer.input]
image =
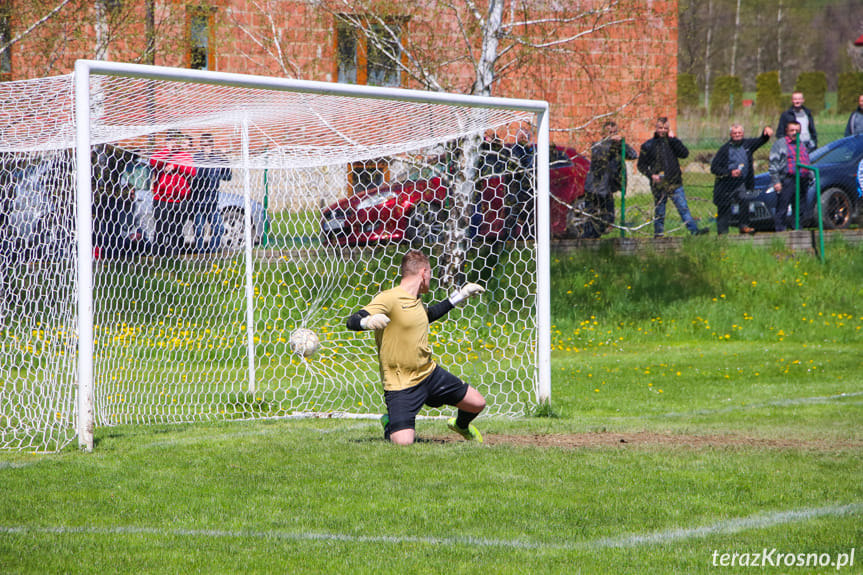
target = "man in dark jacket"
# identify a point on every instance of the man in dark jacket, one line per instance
(855, 120)
(604, 179)
(659, 160)
(800, 114)
(212, 169)
(732, 166)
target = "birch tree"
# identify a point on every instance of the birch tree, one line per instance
(496, 44)
(468, 46)
(707, 45)
(779, 39)
(734, 42)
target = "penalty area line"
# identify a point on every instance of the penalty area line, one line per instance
(790, 402)
(726, 527)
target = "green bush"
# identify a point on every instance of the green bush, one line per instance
(727, 96)
(814, 88)
(849, 87)
(768, 93)
(687, 93)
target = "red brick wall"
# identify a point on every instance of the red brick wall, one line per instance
(627, 70)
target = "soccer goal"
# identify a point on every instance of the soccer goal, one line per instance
(165, 231)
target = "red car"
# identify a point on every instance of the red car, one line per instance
(418, 206)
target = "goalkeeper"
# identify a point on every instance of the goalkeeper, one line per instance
(410, 376)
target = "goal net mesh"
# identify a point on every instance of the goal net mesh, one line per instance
(190, 322)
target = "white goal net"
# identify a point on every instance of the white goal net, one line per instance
(224, 212)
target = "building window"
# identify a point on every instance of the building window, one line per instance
(199, 31)
(346, 52)
(368, 54)
(5, 37)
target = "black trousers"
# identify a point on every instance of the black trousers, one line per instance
(170, 218)
(784, 198)
(600, 210)
(723, 216)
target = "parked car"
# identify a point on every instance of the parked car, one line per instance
(841, 200)
(417, 205)
(232, 206)
(40, 215)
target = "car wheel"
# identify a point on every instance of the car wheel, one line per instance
(427, 223)
(232, 229)
(836, 208)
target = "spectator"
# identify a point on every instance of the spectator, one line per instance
(855, 121)
(524, 149)
(659, 161)
(116, 233)
(172, 168)
(782, 168)
(800, 114)
(520, 199)
(732, 166)
(212, 169)
(495, 160)
(604, 179)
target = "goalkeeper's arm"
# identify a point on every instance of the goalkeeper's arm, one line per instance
(440, 309)
(363, 320)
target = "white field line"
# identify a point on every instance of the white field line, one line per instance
(16, 464)
(776, 403)
(729, 526)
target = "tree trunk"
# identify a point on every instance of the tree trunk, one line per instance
(490, 39)
(456, 240)
(734, 41)
(707, 54)
(150, 33)
(779, 42)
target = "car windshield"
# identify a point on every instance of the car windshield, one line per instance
(847, 150)
(423, 171)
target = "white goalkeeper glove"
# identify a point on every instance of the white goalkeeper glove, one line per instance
(467, 290)
(377, 321)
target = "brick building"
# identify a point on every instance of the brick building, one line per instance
(618, 63)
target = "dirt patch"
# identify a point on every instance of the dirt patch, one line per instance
(651, 438)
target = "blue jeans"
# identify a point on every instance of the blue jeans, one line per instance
(213, 217)
(678, 198)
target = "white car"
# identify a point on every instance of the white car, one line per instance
(41, 212)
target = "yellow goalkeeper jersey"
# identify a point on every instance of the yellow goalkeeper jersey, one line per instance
(403, 348)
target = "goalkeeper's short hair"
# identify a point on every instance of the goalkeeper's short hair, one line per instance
(413, 262)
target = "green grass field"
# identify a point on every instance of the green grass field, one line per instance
(705, 403)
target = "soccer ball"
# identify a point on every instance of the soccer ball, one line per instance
(305, 342)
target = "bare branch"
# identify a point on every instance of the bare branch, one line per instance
(595, 13)
(35, 25)
(574, 37)
(598, 117)
(288, 67)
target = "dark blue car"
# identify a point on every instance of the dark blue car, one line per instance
(840, 191)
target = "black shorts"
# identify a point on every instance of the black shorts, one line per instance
(440, 388)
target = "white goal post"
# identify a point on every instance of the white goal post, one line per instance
(164, 231)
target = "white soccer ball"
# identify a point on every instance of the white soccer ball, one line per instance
(305, 342)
